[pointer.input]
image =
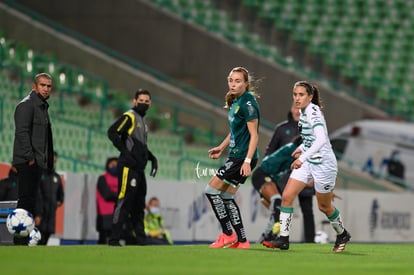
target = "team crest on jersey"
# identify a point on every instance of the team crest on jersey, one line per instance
(133, 182)
(236, 109)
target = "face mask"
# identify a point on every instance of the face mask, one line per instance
(113, 171)
(154, 210)
(141, 108)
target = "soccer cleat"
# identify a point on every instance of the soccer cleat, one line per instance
(224, 241)
(281, 242)
(267, 237)
(276, 228)
(341, 241)
(241, 245)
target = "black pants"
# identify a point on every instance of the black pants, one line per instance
(306, 203)
(129, 208)
(104, 236)
(28, 181)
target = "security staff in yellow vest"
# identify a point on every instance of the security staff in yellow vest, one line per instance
(129, 136)
(156, 232)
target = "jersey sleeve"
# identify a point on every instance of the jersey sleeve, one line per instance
(315, 116)
(250, 109)
(119, 130)
(316, 122)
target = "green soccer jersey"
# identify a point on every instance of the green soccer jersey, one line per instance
(278, 163)
(244, 109)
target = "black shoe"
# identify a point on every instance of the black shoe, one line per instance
(281, 242)
(341, 241)
(267, 237)
(114, 243)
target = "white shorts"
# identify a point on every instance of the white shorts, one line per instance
(324, 174)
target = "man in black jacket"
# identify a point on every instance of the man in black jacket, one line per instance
(129, 136)
(33, 143)
(284, 133)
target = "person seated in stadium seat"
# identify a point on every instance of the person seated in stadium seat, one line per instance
(154, 224)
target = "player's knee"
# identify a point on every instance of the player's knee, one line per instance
(211, 190)
(287, 198)
(227, 196)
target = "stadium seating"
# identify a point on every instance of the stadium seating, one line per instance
(80, 120)
(367, 42)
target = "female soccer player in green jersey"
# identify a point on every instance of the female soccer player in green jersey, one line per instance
(242, 142)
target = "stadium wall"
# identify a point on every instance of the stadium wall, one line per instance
(374, 217)
(182, 50)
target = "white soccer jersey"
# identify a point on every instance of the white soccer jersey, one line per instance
(318, 160)
(313, 149)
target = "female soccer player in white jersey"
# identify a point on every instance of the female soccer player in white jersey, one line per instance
(314, 159)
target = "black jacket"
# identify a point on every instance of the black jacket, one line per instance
(283, 134)
(33, 135)
(137, 156)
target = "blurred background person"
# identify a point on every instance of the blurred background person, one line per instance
(106, 191)
(396, 168)
(8, 186)
(154, 224)
(129, 135)
(270, 190)
(50, 197)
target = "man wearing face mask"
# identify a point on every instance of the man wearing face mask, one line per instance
(106, 194)
(129, 136)
(154, 224)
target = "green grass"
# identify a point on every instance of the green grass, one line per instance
(199, 259)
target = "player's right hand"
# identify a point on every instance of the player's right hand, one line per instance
(215, 152)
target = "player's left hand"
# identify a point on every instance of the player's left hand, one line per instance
(296, 164)
(154, 166)
(296, 153)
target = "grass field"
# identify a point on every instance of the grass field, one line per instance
(199, 259)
